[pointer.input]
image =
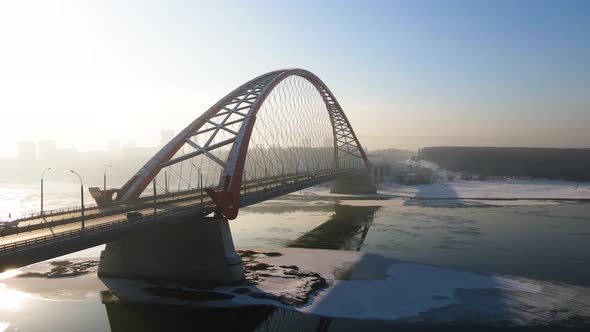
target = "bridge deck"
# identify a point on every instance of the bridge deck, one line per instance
(47, 239)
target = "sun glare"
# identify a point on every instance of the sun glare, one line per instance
(10, 274)
(10, 299)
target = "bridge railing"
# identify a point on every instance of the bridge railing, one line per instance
(248, 186)
(259, 191)
(89, 207)
(75, 233)
(146, 198)
(90, 230)
(54, 212)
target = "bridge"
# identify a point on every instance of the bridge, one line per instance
(277, 133)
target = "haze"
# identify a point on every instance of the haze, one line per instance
(408, 73)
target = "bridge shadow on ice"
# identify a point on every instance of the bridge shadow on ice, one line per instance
(346, 229)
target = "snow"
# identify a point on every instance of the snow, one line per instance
(492, 189)
(369, 286)
(496, 192)
(379, 288)
(497, 188)
(359, 286)
(508, 192)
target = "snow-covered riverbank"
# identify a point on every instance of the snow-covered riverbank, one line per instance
(493, 189)
(498, 192)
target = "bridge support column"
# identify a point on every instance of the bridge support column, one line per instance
(199, 250)
(357, 184)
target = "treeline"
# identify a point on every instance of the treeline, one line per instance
(390, 155)
(566, 164)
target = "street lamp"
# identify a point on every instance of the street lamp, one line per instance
(155, 203)
(200, 178)
(81, 198)
(43, 174)
(166, 181)
(104, 177)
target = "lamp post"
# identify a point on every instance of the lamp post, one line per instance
(43, 174)
(81, 197)
(104, 177)
(166, 180)
(200, 177)
(155, 203)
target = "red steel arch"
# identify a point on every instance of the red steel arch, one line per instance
(246, 101)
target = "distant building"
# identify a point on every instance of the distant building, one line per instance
(47, 149)
(414, 178)
(26, 151)
(415, 174)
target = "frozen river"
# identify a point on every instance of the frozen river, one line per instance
(548, 243)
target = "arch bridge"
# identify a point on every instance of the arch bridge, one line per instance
(277, 133)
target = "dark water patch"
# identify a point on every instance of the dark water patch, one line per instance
(458, 221)
(452, 241)
(158, 317)
(258, 267)
(502, 309)
(188, 294)
(474, 232)
(145, 317)
(246, 253)
(291, 267)
(241, 290)
(405, 232)
(443, 246)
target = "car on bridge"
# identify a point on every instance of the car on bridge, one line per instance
(134, 215)
(6, 225)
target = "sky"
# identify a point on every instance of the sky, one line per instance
(407, 73)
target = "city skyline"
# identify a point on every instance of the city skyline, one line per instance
(43, 148)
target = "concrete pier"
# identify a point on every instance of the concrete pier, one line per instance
(200, 250)
(358, 184)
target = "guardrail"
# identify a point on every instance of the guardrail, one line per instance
(92, 206)
(269, 189)
(146, 201)
(54, 212)
(88, 231)
(15, 246)
(163, 198)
